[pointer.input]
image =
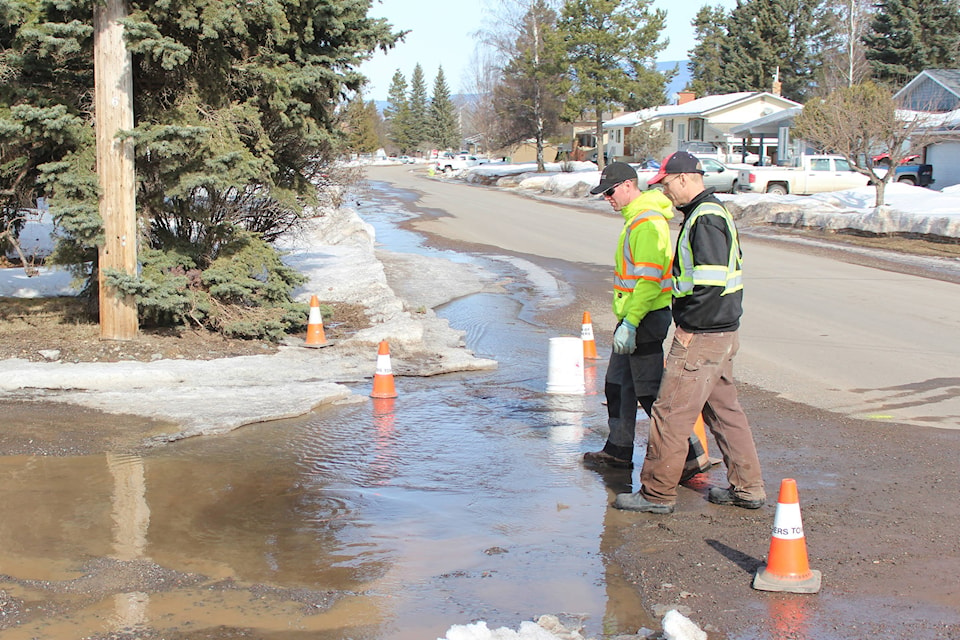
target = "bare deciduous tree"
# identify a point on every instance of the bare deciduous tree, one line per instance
(8, 236)
(842, 48)
(647, 140)
(526, 72)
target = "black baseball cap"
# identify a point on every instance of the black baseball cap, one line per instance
(613, 174)
(677, 162)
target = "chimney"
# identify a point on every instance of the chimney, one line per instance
(683, 97)
(776, 87)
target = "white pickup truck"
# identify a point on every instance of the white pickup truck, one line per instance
(812, 174)
(448, 163)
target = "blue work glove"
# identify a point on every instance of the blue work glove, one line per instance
(625, 338)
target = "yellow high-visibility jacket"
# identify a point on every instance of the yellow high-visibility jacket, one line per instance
(642, 273)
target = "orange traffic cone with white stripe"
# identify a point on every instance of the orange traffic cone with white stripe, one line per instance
(315, 335)
(698, 453)
(788, 568)
(383, 378)
(589, 343)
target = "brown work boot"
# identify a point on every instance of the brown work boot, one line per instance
(604, 459)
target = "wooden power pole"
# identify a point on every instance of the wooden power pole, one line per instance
(113, 89)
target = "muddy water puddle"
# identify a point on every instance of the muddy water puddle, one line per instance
(463, 499)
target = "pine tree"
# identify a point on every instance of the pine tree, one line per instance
(235, 119)
(611, 48)
(360, 123)
(771, 38)
(419, 128)
(445, 129)
(895, 42)
(707, 69)
(941, 33)
(907, 37)
(397, 114)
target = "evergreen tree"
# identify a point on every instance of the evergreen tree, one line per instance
(895, 42)
(611, 48)
(234, 120)
(360, 124)
(707, 68)
(445, 129)
(419, 109)
(397, 114)
(941, 33)
(907, 37)
(768, 39)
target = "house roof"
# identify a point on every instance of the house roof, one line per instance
(704, 106)
(949, 79)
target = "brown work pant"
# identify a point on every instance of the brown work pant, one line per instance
(699, 377)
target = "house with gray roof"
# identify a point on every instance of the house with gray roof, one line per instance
(932, 90)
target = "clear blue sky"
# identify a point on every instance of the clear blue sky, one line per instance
(442, 32)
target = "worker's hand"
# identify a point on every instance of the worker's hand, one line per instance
(625, 338)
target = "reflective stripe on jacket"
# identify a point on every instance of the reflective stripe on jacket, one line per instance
(689, 274)
(642, 266)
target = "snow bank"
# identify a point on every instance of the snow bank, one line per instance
(336, 252)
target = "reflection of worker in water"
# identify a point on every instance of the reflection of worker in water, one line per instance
(641, 303)
(708, 289)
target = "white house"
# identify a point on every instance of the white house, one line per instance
(699, 124)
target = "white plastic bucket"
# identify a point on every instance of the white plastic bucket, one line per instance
(565, 368)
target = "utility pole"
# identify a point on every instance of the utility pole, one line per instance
(113, 99)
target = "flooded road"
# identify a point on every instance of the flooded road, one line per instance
(463, 499)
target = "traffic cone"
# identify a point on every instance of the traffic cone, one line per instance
(698, 455)
(315, 334)
(586, 334)
(383, 378)
(787, 566)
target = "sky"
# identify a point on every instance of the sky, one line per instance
(444, 33)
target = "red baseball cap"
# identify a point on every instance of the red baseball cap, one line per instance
(677, 162)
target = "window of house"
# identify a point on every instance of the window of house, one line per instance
(681, 133)
(668, 125)
(696, 128)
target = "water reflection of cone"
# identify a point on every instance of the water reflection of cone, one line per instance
(315, 334)
(383, 378)
(586, 334)
(787, 566)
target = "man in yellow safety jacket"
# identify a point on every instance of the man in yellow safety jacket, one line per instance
(641, 303)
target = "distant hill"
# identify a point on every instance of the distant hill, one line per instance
(679, 82)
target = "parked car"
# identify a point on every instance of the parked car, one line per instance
(719, 176)
(715, 174)
(406, 160)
